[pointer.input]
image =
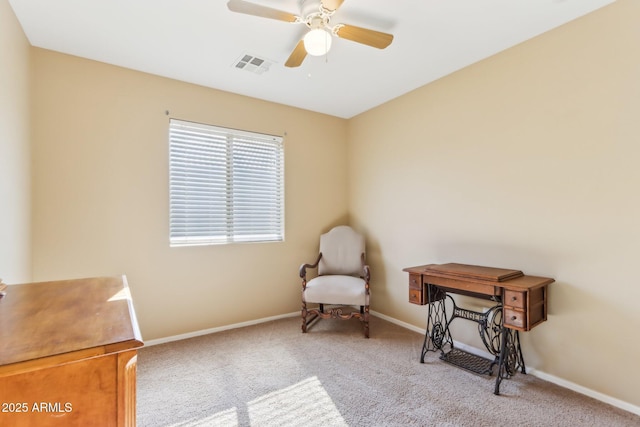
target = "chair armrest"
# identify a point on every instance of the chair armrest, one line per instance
(366, 272)
(303, 267)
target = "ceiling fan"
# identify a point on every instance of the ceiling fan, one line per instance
(317, 41)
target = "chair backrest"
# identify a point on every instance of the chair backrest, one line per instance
(341, 250)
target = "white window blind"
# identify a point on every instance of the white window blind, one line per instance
(226, 185)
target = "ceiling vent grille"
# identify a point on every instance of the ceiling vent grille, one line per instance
(253, 64)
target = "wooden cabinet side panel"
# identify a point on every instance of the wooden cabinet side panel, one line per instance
(127, 365)
(537, 307)
(74, 394)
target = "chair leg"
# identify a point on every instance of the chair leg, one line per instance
(365, 320)
(304, 317)
(321, 308)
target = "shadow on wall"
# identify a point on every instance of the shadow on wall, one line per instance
(374, 259)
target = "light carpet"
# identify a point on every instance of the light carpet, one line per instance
(273, 375)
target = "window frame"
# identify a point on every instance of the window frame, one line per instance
(225, 185)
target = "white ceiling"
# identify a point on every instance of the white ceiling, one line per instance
(199, 41)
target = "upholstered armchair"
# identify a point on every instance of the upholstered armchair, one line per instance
(342, 281)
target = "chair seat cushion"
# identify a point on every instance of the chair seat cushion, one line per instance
(336, 289)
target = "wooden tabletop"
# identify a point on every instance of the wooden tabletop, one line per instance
(83, 316)
(480, 279)
(472, 272)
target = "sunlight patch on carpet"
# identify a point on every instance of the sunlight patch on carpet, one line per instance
(305, 403)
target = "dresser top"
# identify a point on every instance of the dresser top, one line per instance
(83, 317)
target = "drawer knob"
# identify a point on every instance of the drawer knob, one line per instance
(514, 298)
(513, 317)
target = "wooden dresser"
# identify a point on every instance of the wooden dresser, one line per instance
(68, 354)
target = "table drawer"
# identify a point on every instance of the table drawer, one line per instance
(416, 296)
(415, 281)
(515, 319)
(514, 299)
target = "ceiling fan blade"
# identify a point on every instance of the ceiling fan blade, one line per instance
(365, 36)
(332, 5)
(297, 56)
(241, 6)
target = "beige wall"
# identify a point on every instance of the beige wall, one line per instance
(15, 191)
(101, 194)
(526, 160)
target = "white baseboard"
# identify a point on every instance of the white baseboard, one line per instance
(586, 391)
(218, 329)
(536, 373)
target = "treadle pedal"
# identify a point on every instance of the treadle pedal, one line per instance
(468, 361)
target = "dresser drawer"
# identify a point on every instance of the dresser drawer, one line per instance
(514, 299)
(515, 319)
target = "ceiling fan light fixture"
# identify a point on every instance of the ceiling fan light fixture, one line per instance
(317, 42)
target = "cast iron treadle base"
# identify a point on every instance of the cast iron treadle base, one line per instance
(468, 361)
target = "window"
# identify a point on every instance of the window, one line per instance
(225, 185)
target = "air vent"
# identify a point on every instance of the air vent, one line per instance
(253, 64)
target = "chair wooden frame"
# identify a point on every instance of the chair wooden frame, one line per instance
(311, 314)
